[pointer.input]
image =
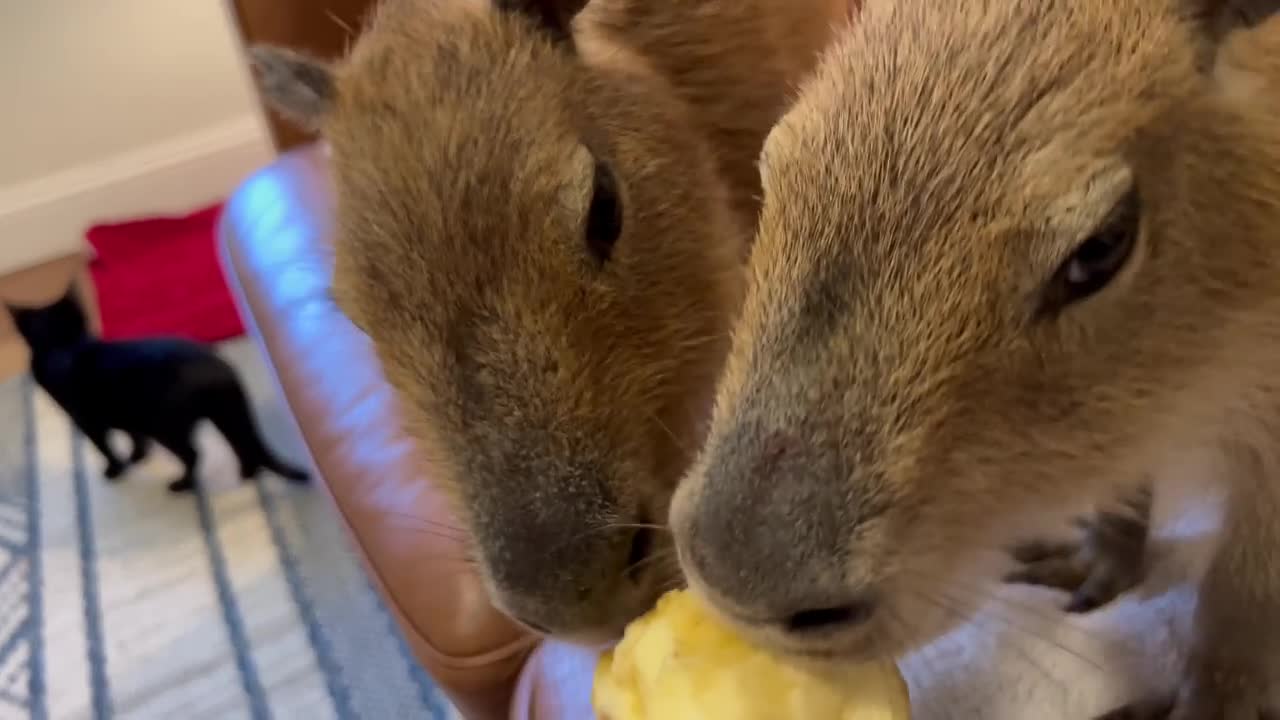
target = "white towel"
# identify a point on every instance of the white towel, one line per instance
(1022, 658)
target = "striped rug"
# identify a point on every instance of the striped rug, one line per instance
(122, 601)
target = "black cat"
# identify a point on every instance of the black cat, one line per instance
(155, 389)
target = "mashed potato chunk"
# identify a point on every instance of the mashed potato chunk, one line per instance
(680, 663)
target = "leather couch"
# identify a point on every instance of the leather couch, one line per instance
(277, 235)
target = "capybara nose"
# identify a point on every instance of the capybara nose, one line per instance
(825, 620)
(762, 534)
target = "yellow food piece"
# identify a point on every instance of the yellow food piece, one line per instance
(681, 663)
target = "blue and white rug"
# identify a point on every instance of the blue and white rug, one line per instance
(122, 601)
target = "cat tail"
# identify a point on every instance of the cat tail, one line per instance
(233, 417)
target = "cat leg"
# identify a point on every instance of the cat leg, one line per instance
(141, 447)
(98, 436)
(182, 448)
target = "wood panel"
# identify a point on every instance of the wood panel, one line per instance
(324, 28)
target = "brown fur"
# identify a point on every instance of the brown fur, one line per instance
(559, 397)
(898, 401)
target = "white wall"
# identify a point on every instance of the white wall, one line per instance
(115, 108)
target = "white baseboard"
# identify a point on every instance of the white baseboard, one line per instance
(47, 218)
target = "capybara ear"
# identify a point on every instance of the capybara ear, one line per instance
(299, 86)
(554, 16)
(1220, 18)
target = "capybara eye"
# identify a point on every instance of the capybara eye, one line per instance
(604, 217)
(1097, 260)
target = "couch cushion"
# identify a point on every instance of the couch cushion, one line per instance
(278, 234)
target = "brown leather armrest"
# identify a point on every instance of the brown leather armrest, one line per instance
(277, 232)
